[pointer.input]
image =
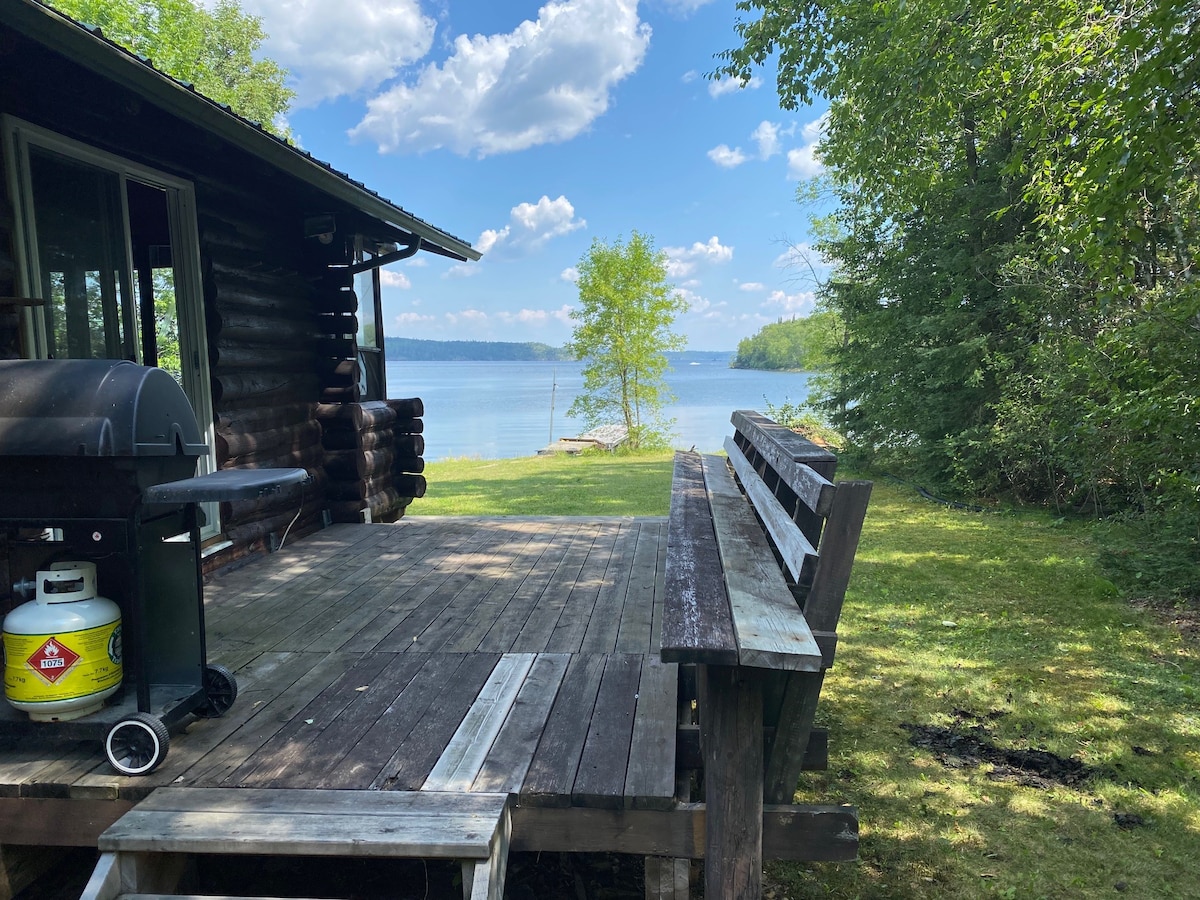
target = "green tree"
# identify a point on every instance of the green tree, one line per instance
(211, 49)
(803, 344)
(1015, 239)
(622, 332)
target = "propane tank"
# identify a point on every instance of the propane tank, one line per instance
(62, 650)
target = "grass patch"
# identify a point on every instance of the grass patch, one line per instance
(591, 484)
(969, 642)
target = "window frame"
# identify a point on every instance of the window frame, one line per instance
(19, 136)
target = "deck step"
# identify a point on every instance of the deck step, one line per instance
(139, 848)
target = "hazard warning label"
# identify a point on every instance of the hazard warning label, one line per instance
(52, 660)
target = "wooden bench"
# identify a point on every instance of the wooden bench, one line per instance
(143, 853)
(759, 552)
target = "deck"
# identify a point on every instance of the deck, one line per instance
(504, 655)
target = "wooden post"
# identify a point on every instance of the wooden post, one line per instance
(733, 778)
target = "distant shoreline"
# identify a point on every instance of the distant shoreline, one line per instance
(413, 350)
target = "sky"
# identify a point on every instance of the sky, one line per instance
(531, 130)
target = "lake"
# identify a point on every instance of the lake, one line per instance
(497, 410)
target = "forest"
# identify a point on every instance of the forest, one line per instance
(399, 348)
(1013, 244)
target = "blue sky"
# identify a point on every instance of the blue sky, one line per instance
(531, 129)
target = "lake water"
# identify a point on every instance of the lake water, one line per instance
(497, 410)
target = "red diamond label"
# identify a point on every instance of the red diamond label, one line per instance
(52, 660)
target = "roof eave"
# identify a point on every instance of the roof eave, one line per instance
(60, 34)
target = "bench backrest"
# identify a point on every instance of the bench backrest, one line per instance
(757, 571)
(814, 525)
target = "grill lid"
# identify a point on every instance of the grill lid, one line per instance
(93, 407)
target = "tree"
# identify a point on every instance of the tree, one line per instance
(622, 332)
(213, 50)
(1016, 240)
(804, 344)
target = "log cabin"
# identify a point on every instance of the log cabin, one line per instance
(140, 220)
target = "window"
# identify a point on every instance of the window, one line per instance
(371, 376)
(111, 249)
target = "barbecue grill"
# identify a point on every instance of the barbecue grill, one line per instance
(97, 465)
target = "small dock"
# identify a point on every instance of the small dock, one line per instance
(606, 437)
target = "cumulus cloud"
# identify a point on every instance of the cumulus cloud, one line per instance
(334, 49)
(752, 286)
(719, 87)
(570, 273)
(682, 261)
(796, 304)
(802, 161)
(766, 135)
(391, 278)
(530, 225)
(562, 315)
(409, 319)
(544, 82)
(686, 6)
(727, 158)
(803, 257)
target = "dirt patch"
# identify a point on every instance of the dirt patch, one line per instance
(963, 745)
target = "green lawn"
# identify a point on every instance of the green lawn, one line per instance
(985, 631)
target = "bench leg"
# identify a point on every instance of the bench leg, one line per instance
(120, 872)
(668, 879)
(733, 779)
(796, 716)
(483, 879)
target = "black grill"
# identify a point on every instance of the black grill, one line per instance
(97, 463)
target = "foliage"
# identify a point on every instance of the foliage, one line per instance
(415, 349)
(1014, 241)
(211, 49)
(622, 333)
(591, 484)
(802, 345)
(802, 418)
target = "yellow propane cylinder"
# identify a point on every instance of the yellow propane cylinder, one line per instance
(62, 650)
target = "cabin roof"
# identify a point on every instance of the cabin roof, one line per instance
(89, 48)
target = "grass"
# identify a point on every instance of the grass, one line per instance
(988, 626)
(592, 484)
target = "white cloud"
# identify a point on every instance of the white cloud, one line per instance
(686, 6)
(721, 86)
(727, 158)
(544, 82)
(570, 273)
(391, 278)
(562, 315)
(530, 225)
(682, 261)
(800, 256)
(802, 161)
(766, 135)
(797, 304)
(333, 49)
(462, 270)
(408, 319)
(752, 286)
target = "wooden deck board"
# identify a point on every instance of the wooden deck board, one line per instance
(324, 631)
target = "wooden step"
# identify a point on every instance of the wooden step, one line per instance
(143, 850)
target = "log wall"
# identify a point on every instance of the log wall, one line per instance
(280, 312)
